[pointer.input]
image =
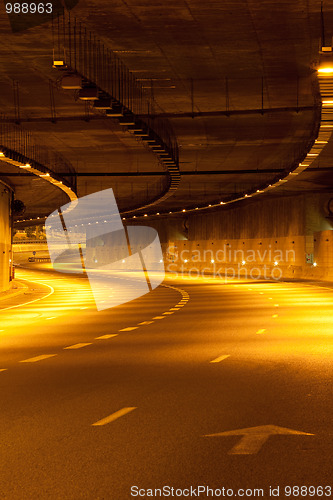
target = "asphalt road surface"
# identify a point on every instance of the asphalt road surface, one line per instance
(94, 403)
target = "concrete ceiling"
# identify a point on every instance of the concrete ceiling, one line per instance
(234, 78)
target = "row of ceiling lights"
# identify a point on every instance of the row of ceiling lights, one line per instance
(325, 78)
(18, 161)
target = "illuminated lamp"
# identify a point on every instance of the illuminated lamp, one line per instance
(103, 103)
(71, 82)
(58, 64)
(88, 94)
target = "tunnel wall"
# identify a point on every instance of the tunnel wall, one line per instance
(283, 237)
(5, 236)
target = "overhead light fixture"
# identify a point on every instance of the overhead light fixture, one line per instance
(327, 70)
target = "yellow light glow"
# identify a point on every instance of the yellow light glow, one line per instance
(325, 70)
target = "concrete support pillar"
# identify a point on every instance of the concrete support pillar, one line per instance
(5, 236)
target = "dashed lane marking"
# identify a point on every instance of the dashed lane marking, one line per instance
(159, 317)
(276, 305)
(220, 358)
(38, 358)
(128, 329)
(78, 346)
(3, 369)
(108, 336)
(261, 331)
(168, 312)
(52, 317)
(114, 416)
(146, 323)
(275, 316)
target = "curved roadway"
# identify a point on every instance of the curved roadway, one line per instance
(93, 403)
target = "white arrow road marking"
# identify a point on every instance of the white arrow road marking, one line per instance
(255, 437)
(114, 416)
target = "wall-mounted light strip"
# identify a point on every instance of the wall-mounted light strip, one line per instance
(48, 176)
(325, 79)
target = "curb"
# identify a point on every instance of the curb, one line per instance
(9, 295)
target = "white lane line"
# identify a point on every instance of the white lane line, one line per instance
(128, 329)
(168, 312)
(38, 358)
(146, 323)
(31, 301)
(108, 336)
(159, 317)
(3, 369)
(78, 346)
(220, 358)
(276, 305)
(114, 416)
(275, 316)
(174, 308)
(261, 331)
(52, 317)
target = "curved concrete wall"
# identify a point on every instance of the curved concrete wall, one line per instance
(268, 239)
(5, 236)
